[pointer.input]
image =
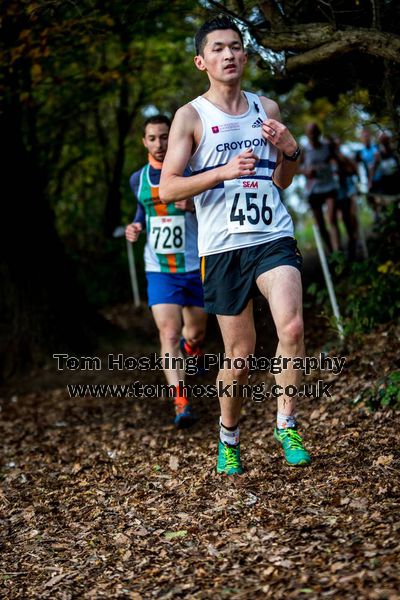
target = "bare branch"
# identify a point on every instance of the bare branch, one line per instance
(329, 13)
(374, 43)
(227, 11)
(297, 38)
(376, 14)
(272, 13)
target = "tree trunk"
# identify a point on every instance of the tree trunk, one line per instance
(112, 214)
(44, 312)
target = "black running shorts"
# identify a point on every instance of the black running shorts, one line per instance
(229, 278)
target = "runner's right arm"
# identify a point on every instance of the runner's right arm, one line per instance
(185, 133)
(133, 230)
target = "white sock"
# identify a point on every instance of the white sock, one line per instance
(228, 436)
(285, 421)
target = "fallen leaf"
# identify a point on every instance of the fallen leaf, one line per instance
(141, 531)
(121, 539)
(336, 566)
(173, 463)
(54, 580)
(250, 500)
(383, 461)
(171, 535)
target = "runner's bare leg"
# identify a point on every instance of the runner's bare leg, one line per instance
(239, 337)
(168, 318)
(283, 290)
(194, 324)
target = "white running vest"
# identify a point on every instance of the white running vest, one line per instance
(240, 212)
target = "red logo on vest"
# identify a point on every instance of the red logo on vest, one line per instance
(215, 129)
(250, 184)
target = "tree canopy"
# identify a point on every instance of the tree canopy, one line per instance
(333, 46)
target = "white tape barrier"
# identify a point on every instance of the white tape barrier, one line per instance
(328, 280)
(133, 275)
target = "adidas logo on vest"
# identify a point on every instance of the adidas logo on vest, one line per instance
(258, 122)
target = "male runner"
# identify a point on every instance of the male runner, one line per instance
(367, 157)
(245, 233)
(171, 262)
(386, 164)
(321, 186)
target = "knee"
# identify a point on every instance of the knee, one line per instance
(170, 336)
(332, 220)
(239, 364)
(240, 369)
(195, 335)
(332, 215)
(292, 332)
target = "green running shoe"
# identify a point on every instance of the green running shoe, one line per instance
(292, 446)
(229, 459)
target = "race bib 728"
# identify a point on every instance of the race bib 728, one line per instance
(167, 234)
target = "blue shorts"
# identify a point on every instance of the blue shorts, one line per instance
(184, 289)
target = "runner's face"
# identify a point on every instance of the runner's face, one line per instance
(313, 132)
(156, 140)
(223, 56)
(366, 137)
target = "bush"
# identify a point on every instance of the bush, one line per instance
(369, 291)
(385, 394)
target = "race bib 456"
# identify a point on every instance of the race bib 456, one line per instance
(249, 205)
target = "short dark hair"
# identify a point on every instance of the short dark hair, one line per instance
(219, 22)
(157, 120)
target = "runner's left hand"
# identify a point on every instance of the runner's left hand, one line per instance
(186, 204)
(279, 135)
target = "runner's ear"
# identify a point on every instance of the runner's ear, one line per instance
(199, 62)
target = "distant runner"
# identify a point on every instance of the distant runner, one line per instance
(366, 157)
(317, 164)
(171, 262)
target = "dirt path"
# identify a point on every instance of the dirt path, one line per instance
(102, 498)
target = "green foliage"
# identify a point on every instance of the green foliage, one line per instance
(384, 394)
(83, 78)
(319, 295)
(369, 291)
(104, 272)
(342, 117)
(375, 81)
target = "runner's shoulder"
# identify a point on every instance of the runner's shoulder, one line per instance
(134, 179)
(271, 108)
(186, 117)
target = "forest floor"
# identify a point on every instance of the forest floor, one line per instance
(103, 498)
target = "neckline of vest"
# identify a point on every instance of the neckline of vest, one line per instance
(148, 176)
(245, 114)
(156, 164)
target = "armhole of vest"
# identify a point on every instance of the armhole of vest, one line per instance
(148, 178)
(260, 103)
(141, 182)
(203, 134)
